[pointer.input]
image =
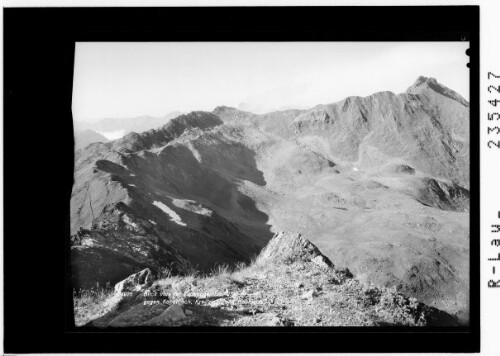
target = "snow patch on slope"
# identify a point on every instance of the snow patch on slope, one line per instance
(126, 220)
(192, 206)
(173, 215)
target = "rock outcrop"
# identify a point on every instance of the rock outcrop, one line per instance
(135, 282)
(284, 287)
(291, 247)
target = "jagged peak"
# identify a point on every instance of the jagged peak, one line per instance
(133, 141)
(224, 108)
(192, 115)
(293, 247)
(422, 83)
(193, 119)
(221, 110)
(422, 79)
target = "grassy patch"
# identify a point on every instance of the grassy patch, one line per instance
(90, 304)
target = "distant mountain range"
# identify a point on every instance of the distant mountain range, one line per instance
(86, 137)
(255, 109)
(378, 183)
(113, 128)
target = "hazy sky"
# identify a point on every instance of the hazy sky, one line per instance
(134, 79)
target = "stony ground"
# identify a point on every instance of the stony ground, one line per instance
(290, 284)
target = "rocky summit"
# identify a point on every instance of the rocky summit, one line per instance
(379, 184)
(289, 284)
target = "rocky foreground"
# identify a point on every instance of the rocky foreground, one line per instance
(291, 283)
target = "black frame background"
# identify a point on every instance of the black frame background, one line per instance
(38, 165)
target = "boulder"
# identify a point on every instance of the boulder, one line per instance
(175, 312)
(322, 261)
(292, 247)
(309, 295)
(135, 282)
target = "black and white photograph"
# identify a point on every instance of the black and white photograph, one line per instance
(192, 177)
(270, 184)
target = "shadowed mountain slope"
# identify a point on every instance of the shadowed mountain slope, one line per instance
(176, 193)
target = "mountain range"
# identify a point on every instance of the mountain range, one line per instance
(113, 128)
(380, 184)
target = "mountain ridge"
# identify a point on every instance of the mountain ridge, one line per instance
(139, 123)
